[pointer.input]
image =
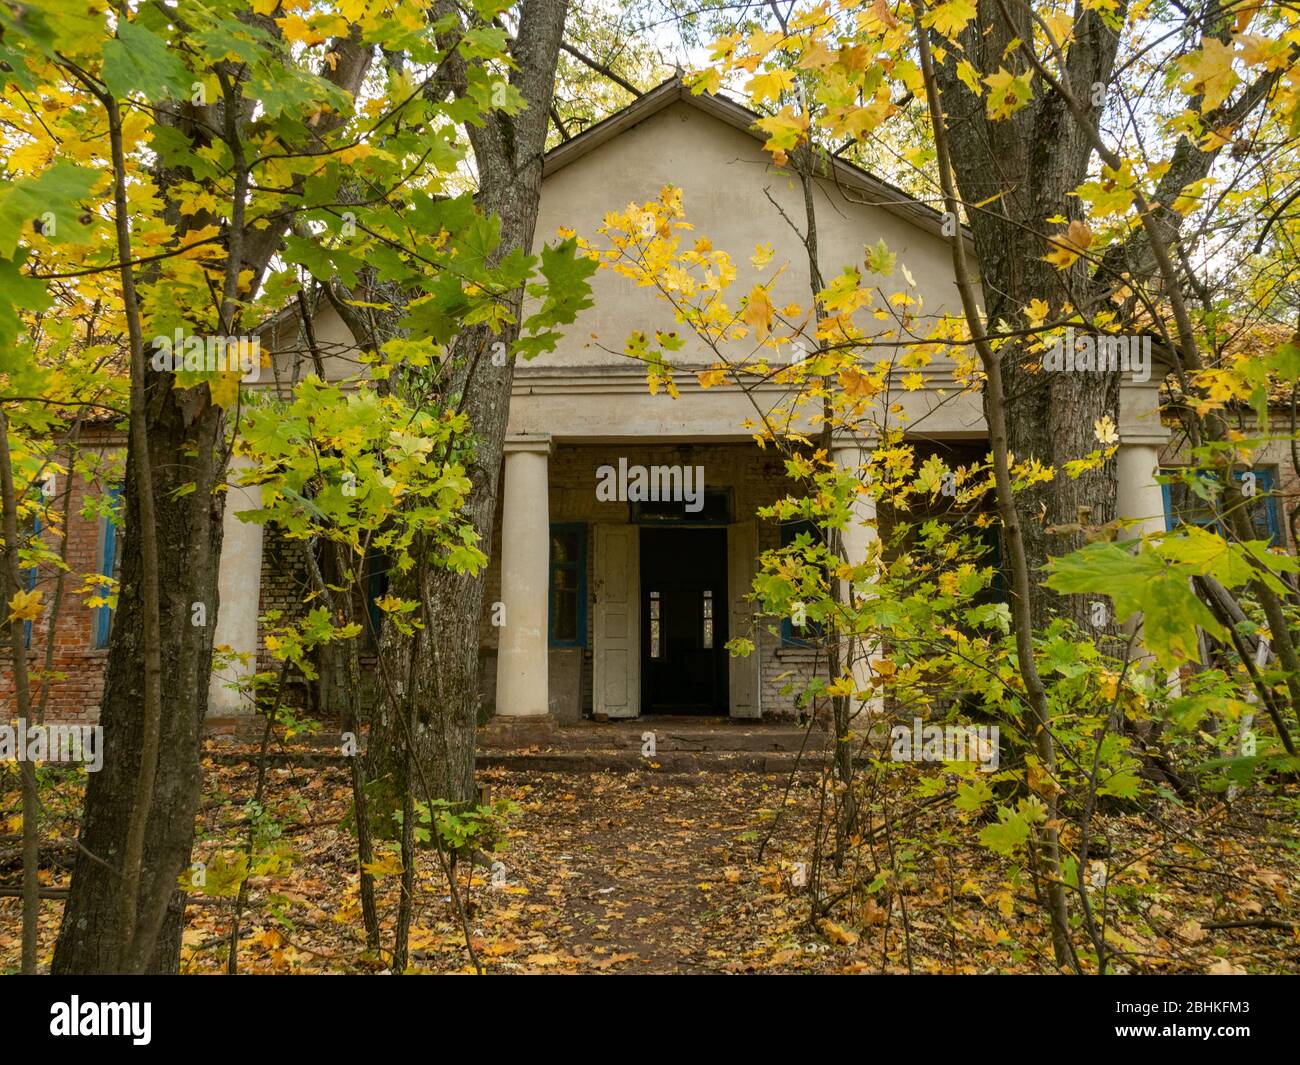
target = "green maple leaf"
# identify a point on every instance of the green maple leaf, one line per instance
(880, 260)
(53, 195)
(138, 60)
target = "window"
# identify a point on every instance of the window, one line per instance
(807, 634)
(567, 614)
(32, 575)
(1185, 506)
(656, 627)
(110, 562)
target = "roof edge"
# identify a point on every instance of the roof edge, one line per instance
(885, 196)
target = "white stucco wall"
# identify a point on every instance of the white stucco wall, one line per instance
(726, 178)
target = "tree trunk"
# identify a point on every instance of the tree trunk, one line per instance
(11, 585)
(183, 437)
(186, 446)
(441, 680)
(1022, 170)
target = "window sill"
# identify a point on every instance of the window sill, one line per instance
(798, 654)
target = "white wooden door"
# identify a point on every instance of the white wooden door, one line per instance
(617, 680)
(742, 562)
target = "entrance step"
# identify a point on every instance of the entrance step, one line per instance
(671, 734)
(681, 745)
(672, 763)
(542, 745)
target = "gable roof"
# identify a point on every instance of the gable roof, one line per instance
(878, 192)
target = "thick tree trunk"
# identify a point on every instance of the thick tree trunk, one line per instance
(186, 447)
(186, 451)
(1022, 170)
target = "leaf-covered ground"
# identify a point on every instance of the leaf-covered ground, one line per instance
(651, 872)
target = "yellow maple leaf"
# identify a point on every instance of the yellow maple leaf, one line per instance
(224, 388)
(1105, 431)
(856, 384)
(1210, 73)
(784, 130)
(816, 57)
(195, 199)
(759, 311)
(270, 939)
(26, 606)
(1068, 246)
(948, 19)
(1008, 93)
(881, 10)
(840, 936)
(543, 960)
(769, 85)
(969, 76)
(385, 866)
(298, 30)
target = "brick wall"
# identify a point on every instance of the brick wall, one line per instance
(76, 680)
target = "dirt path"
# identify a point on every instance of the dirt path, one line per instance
(640, 867)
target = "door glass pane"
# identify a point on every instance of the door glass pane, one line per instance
(564, 605)
(564, 546)
(568, 585)
(655, 641)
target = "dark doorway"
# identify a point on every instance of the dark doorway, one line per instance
(684, 621)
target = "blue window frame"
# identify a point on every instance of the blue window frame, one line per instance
(567, 592)
(1184, 507)
(110, 562)
(808, 634)
(32, 575)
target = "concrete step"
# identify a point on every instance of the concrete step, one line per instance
(669, 735)
(671, 763)
(682, 746)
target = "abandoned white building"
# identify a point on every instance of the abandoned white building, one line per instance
(617, 609)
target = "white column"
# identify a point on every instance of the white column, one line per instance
(1139, 497)
(239, 585)
(1141, 437)
(525, 575)
(858, 539)
(1141, 500)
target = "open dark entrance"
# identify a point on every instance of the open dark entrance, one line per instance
(684, 621)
